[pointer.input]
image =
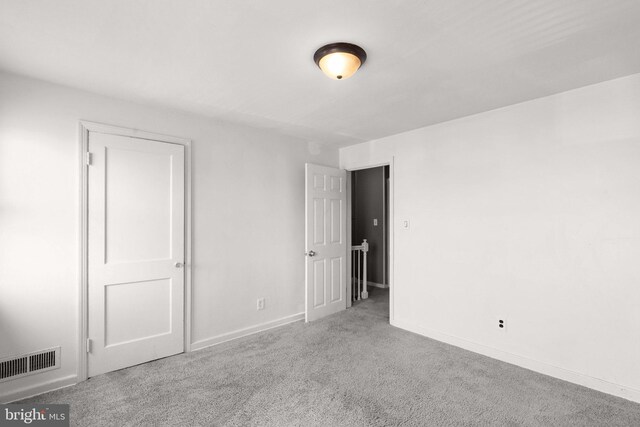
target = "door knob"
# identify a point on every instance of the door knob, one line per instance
(179, 265)
(310, 253)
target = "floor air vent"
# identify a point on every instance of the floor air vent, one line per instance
(31, 363)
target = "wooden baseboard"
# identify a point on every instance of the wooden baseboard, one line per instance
(36, 389)
(534, 365)
(374, 284)
(378, 285)
(208, 342)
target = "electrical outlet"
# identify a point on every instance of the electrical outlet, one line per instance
(502, 323)
(375, 222)
(405, 224)
(260, 305)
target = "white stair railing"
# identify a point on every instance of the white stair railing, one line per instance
(359, 271)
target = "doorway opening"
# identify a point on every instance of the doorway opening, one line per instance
(370, 231)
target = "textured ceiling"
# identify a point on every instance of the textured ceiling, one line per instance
(251, 62)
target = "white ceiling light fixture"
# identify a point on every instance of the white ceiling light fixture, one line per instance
(340, 61)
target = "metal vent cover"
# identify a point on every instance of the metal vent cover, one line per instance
(30, 363)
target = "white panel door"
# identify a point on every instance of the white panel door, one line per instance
(326, 241)
(136, 251)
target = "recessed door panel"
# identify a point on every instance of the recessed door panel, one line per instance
(319, 283)
(126, 321)
(138, 211)
(336, 220)
(319, 222)
(336, 184)
(337, 284)
(318, 181)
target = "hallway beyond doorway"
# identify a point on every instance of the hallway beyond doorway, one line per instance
(377, 304)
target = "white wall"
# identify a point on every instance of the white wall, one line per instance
(248, 210)
(531, 212)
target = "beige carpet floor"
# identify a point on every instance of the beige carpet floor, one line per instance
(351, 369)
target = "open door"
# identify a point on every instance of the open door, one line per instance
(326, 241)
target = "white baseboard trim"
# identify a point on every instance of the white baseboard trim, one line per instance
(36, 389)
(208, 342)
(377, 285)
(544, 368)
(374, 284)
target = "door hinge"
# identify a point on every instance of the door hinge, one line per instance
(88, 345)
(89, 158)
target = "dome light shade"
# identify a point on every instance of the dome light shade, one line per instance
(340, 61)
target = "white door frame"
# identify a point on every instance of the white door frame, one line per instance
(369, 165)
(85, 128)
(349, 294)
